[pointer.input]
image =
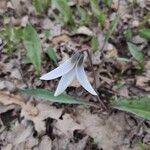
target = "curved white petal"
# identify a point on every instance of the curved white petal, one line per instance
(65, 82)
(82, 78)
(59, 71)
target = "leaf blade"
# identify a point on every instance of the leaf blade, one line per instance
(52, 54)
(145, 33)
(101, 17)
(33, 46)
(136, 53)
(139, 107)
(47, 95)
(64, 9)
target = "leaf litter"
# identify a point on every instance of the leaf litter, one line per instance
(27, 123)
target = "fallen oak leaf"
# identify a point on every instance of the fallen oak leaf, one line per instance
(8, 99)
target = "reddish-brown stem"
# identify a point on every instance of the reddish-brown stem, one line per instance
(94, 76)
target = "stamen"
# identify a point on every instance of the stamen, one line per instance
(75, 57)
(81, 58)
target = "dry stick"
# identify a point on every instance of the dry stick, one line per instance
(94, 76)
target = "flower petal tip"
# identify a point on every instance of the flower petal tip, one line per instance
(56, 94)
(43, 78)
(94, 93)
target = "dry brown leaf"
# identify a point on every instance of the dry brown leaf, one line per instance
(32, 142)
(101, 128)
(45, 111)
(2, 6)
(85, 31)
(47, 24)
(16, 4)
(123, 91)
(7, 85)
(143, 82)
(75, 83)
(7, 147)
(22, 133)
(67, 125)
(4, 109)
(107, 80)
(60, 143)
(18, 136)
(8, 99)
(59, 39)
(46, 143)
(81, 145)
(111, 52)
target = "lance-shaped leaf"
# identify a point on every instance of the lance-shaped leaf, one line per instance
(145, 33)
(59, 71)
(136, 53)
(33, 46)
(48, 95)
(139, 106)
(82, 78)
(65, 82)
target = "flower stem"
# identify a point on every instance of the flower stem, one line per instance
(94, 76)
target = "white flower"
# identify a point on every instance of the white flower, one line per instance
(70, 69)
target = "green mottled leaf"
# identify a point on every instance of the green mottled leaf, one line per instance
(48, 95)
(139, 106)
(145, 33)
(52, 54)
(33, 46)
(136, 53)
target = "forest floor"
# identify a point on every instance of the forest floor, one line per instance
(32, 123)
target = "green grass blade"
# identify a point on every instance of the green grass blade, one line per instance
(139, 106)
(52, 54)
(112, 27)
(40, 5)
(101, 17)
(95, 43)
(84, 17)
(48, 95)
(108, 2)
(65, 10)
(33, 46)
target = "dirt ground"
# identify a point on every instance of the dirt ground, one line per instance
(27, 123)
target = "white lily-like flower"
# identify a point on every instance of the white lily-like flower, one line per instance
(70, 69)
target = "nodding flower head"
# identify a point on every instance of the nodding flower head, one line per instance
(73, 67)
